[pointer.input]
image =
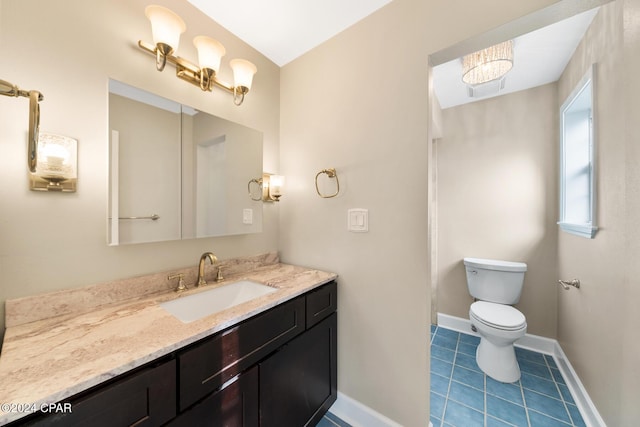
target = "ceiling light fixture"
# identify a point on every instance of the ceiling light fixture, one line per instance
(487, 64)
(166, 28)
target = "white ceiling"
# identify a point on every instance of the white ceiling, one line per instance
(282, 30)
(539, 58)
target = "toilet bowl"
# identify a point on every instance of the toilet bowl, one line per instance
(496, 285)
(499, 327)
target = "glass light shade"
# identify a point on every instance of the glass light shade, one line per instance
(488, 64)
(243, 72)
(57, 165)
(210, 52)
(166, 26)
(276, 182)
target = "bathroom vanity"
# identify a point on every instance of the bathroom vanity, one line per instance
(268, 362)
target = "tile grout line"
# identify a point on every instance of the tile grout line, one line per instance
(534, 374)
(444, 407)
(486, 409)
(446, 401)
(564, 402)
(331, 421)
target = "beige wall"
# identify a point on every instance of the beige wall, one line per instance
(68, 49)
(497, 198)
(597, 325)
(631, 292)
(630, 346)
(358, 103)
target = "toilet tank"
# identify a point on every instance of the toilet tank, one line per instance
(494, 280)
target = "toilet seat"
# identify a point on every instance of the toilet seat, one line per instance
(498, 316)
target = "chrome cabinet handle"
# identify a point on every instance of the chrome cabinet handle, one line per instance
(567, 284)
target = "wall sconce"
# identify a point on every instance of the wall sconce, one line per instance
(270, 186)
(57, 164)
(9, 89)
(166, 28)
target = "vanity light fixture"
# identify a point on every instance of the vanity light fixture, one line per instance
(270, 186)
(166, 28)
(57, 164)
(487, 64)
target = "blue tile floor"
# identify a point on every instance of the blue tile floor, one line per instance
(463, 396)
(330, 420)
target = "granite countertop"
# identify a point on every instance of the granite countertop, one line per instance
(50, 359)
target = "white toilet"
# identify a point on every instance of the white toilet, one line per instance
(495, 285)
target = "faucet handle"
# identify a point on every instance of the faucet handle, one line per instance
(219, 277)
(181, 286)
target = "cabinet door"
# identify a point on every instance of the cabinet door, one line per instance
(145, 398)
(298, 383)
(236, 405)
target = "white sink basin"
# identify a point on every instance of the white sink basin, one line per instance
(197, 306)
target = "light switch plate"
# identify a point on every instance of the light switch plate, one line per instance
(358, 220)
(247, 216)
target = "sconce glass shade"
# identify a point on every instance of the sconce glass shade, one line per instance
(166, 26)
(210, 52)
(275, 185)
(57, 168)
(243, 72)
(487, 64)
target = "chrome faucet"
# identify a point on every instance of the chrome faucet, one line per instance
(203, 258)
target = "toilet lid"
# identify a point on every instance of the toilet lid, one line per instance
(498, 315)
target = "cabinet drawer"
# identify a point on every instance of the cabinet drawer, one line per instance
(236, 405)
(321, 303)
(206, 366)
(146, 398)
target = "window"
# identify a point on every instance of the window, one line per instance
(577, 196)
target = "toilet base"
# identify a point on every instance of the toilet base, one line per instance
(498, 361)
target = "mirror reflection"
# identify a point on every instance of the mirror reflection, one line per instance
(177, 172)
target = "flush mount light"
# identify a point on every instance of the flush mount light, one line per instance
(487, 64)
(166, 28)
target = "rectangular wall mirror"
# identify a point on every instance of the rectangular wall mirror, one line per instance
(177, 172)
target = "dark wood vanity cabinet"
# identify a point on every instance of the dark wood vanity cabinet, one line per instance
(278, 368)
(292, 352)
(144, 398)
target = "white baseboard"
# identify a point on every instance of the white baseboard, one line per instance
(530, 342)
(588, 410)
(358, 414)
(548, 346)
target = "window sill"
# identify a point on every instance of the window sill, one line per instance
(582, 230)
